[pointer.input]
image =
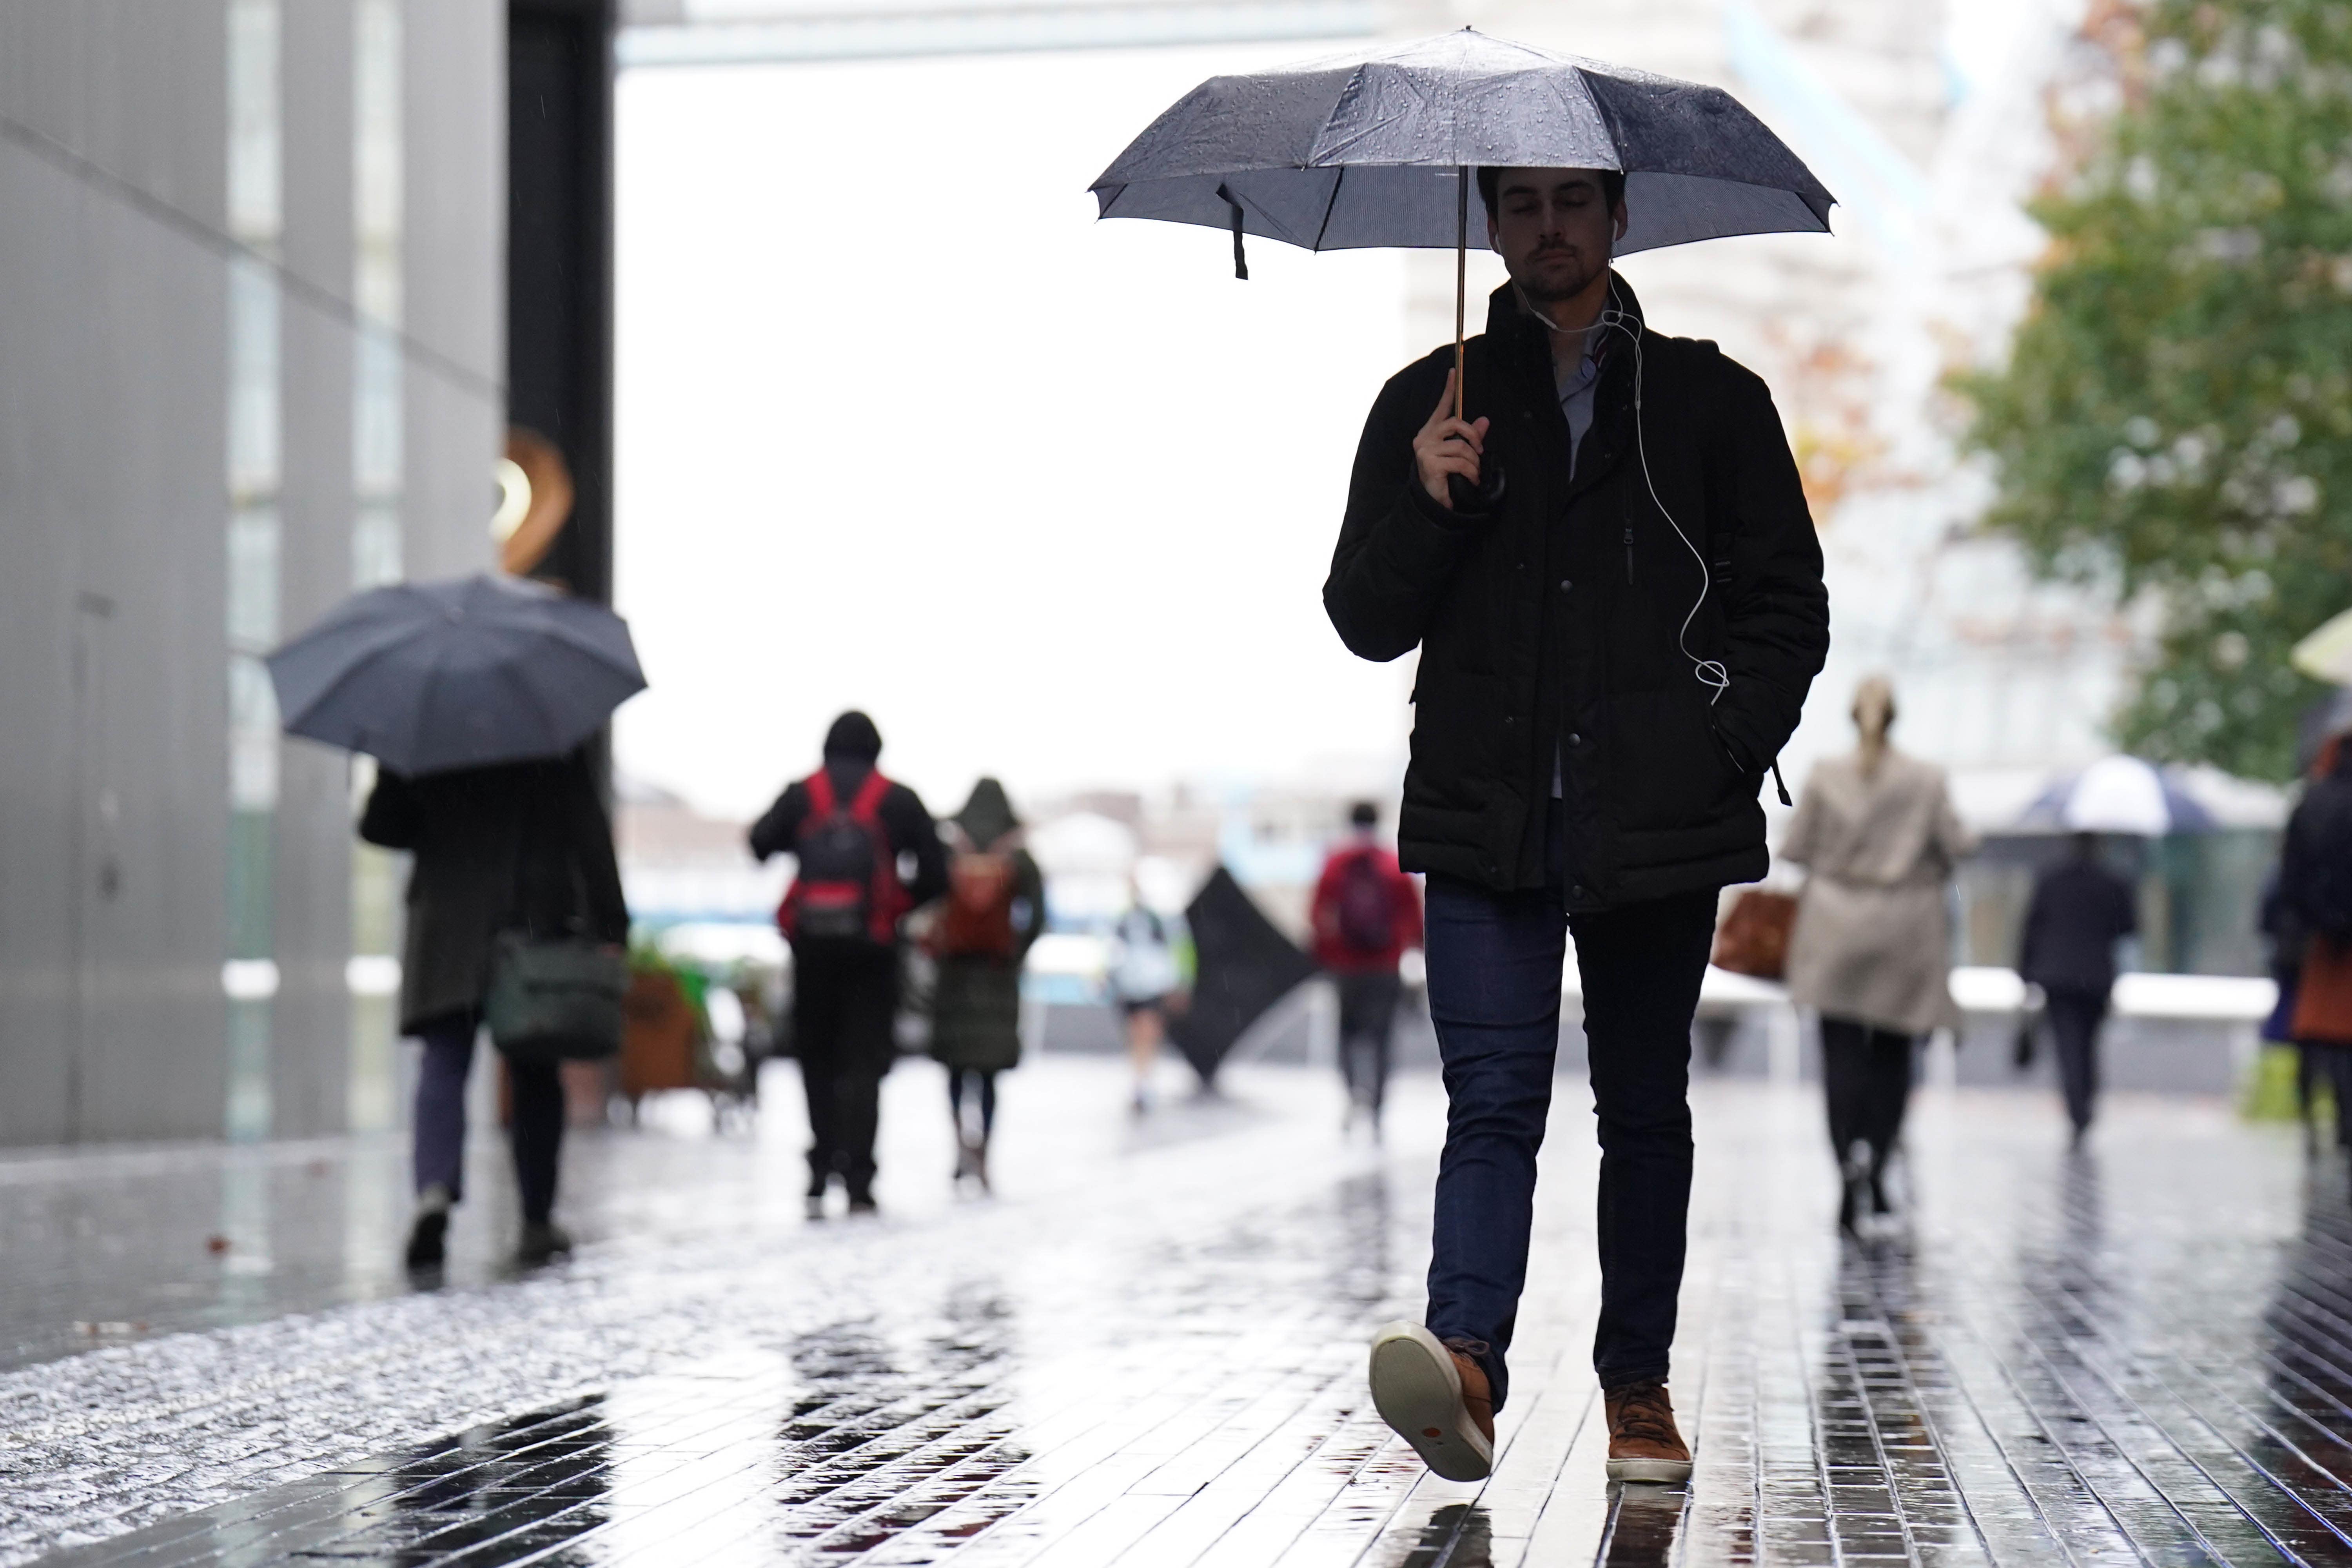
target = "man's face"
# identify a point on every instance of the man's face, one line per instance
(1554, 228)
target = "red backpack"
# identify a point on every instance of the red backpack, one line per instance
(976, 919)
(1366, 907)
(846, 886)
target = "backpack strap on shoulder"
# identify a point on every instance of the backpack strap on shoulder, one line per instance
(820, 791)
(866, 805)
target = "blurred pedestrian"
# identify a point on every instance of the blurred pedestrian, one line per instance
(1146, 979)
(2283, 935)
(1616, 590)
(994, 910)
(512, 847)
(2312, 922)
(1366, 913)
(867, 854)
(1871, 949)
(2079, 911)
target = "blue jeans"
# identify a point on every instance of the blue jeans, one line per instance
(1495, 966)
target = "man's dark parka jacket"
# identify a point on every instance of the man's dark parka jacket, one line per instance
(1555, 621)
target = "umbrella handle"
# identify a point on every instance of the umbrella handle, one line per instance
(1461, 276)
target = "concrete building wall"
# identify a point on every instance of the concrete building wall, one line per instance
(123, 253)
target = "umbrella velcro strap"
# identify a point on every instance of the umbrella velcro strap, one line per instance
(1241, 260)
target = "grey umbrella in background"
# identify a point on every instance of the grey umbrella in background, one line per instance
(426, 677)
(1377, 149)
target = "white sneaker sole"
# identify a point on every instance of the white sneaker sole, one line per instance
(1418, 1393)
(1651, 1472)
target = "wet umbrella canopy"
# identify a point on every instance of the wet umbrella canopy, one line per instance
(1244, 967)
(1378, 149)
(1366, 150)
(427, 677)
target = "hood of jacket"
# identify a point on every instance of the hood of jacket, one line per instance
(988, 815)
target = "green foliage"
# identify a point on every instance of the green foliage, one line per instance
(2176, 419)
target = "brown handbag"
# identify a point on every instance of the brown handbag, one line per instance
(2322, 994)
(1754, 940)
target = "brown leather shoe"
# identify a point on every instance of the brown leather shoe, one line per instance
(1644, 1445)
(1436, 1398)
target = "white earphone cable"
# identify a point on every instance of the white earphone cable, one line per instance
(1709, 672)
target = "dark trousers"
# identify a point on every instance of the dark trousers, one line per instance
(983, 1084)
(2075, 1020)
(844, 996)
(1866, 1072)
(1495, 963)
(2315, 1062)
(535, 1131)
(1367, 1004)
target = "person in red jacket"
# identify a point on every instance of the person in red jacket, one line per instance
(1366, 912)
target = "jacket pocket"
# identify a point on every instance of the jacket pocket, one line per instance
(1667, 768)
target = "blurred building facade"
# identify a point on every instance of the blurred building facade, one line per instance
(250, 360)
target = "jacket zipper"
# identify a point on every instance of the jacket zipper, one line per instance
(1628, 554)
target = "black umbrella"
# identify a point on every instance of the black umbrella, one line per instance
(1242, 967)
(1377, 150)
(426, 677)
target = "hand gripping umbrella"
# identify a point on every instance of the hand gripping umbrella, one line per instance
(427, 677)
(1378, 149)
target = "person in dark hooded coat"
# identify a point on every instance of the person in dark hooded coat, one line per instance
(993, 912)
(844, 935)
(514, 846)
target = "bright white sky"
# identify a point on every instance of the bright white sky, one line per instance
(903, 428)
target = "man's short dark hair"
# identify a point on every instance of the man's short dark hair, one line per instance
(1364, 814)
(1612, 188)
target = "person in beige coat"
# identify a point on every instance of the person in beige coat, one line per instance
(1871, 951)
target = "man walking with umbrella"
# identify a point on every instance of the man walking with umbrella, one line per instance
(1605, 560)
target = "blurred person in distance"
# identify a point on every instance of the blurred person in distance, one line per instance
(2283, 927)
(867, 854)
(2079, 913)
(509, 845)
(1870, 950)
(2311, 905)
(1145, 977)
(993, 911)
(1365, 915)
(1611, 573)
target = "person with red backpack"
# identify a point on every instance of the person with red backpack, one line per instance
(994, 910)
(866, 854)
(1366, 913)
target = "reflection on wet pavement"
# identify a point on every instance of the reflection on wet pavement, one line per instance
(1149, 1351)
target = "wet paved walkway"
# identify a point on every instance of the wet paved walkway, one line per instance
(1147, 1351)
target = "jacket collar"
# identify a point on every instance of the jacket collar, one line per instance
(1519, 329)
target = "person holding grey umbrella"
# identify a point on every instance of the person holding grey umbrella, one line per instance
(1596, 537)
(1607, 563)
(511, 845)
(475, 697)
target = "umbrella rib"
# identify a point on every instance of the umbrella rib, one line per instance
(351, 671)
(439, 655)
(1329, 207)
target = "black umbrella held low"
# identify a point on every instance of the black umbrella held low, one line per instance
(1378, 149)
(1243, 967)
(427, 677)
